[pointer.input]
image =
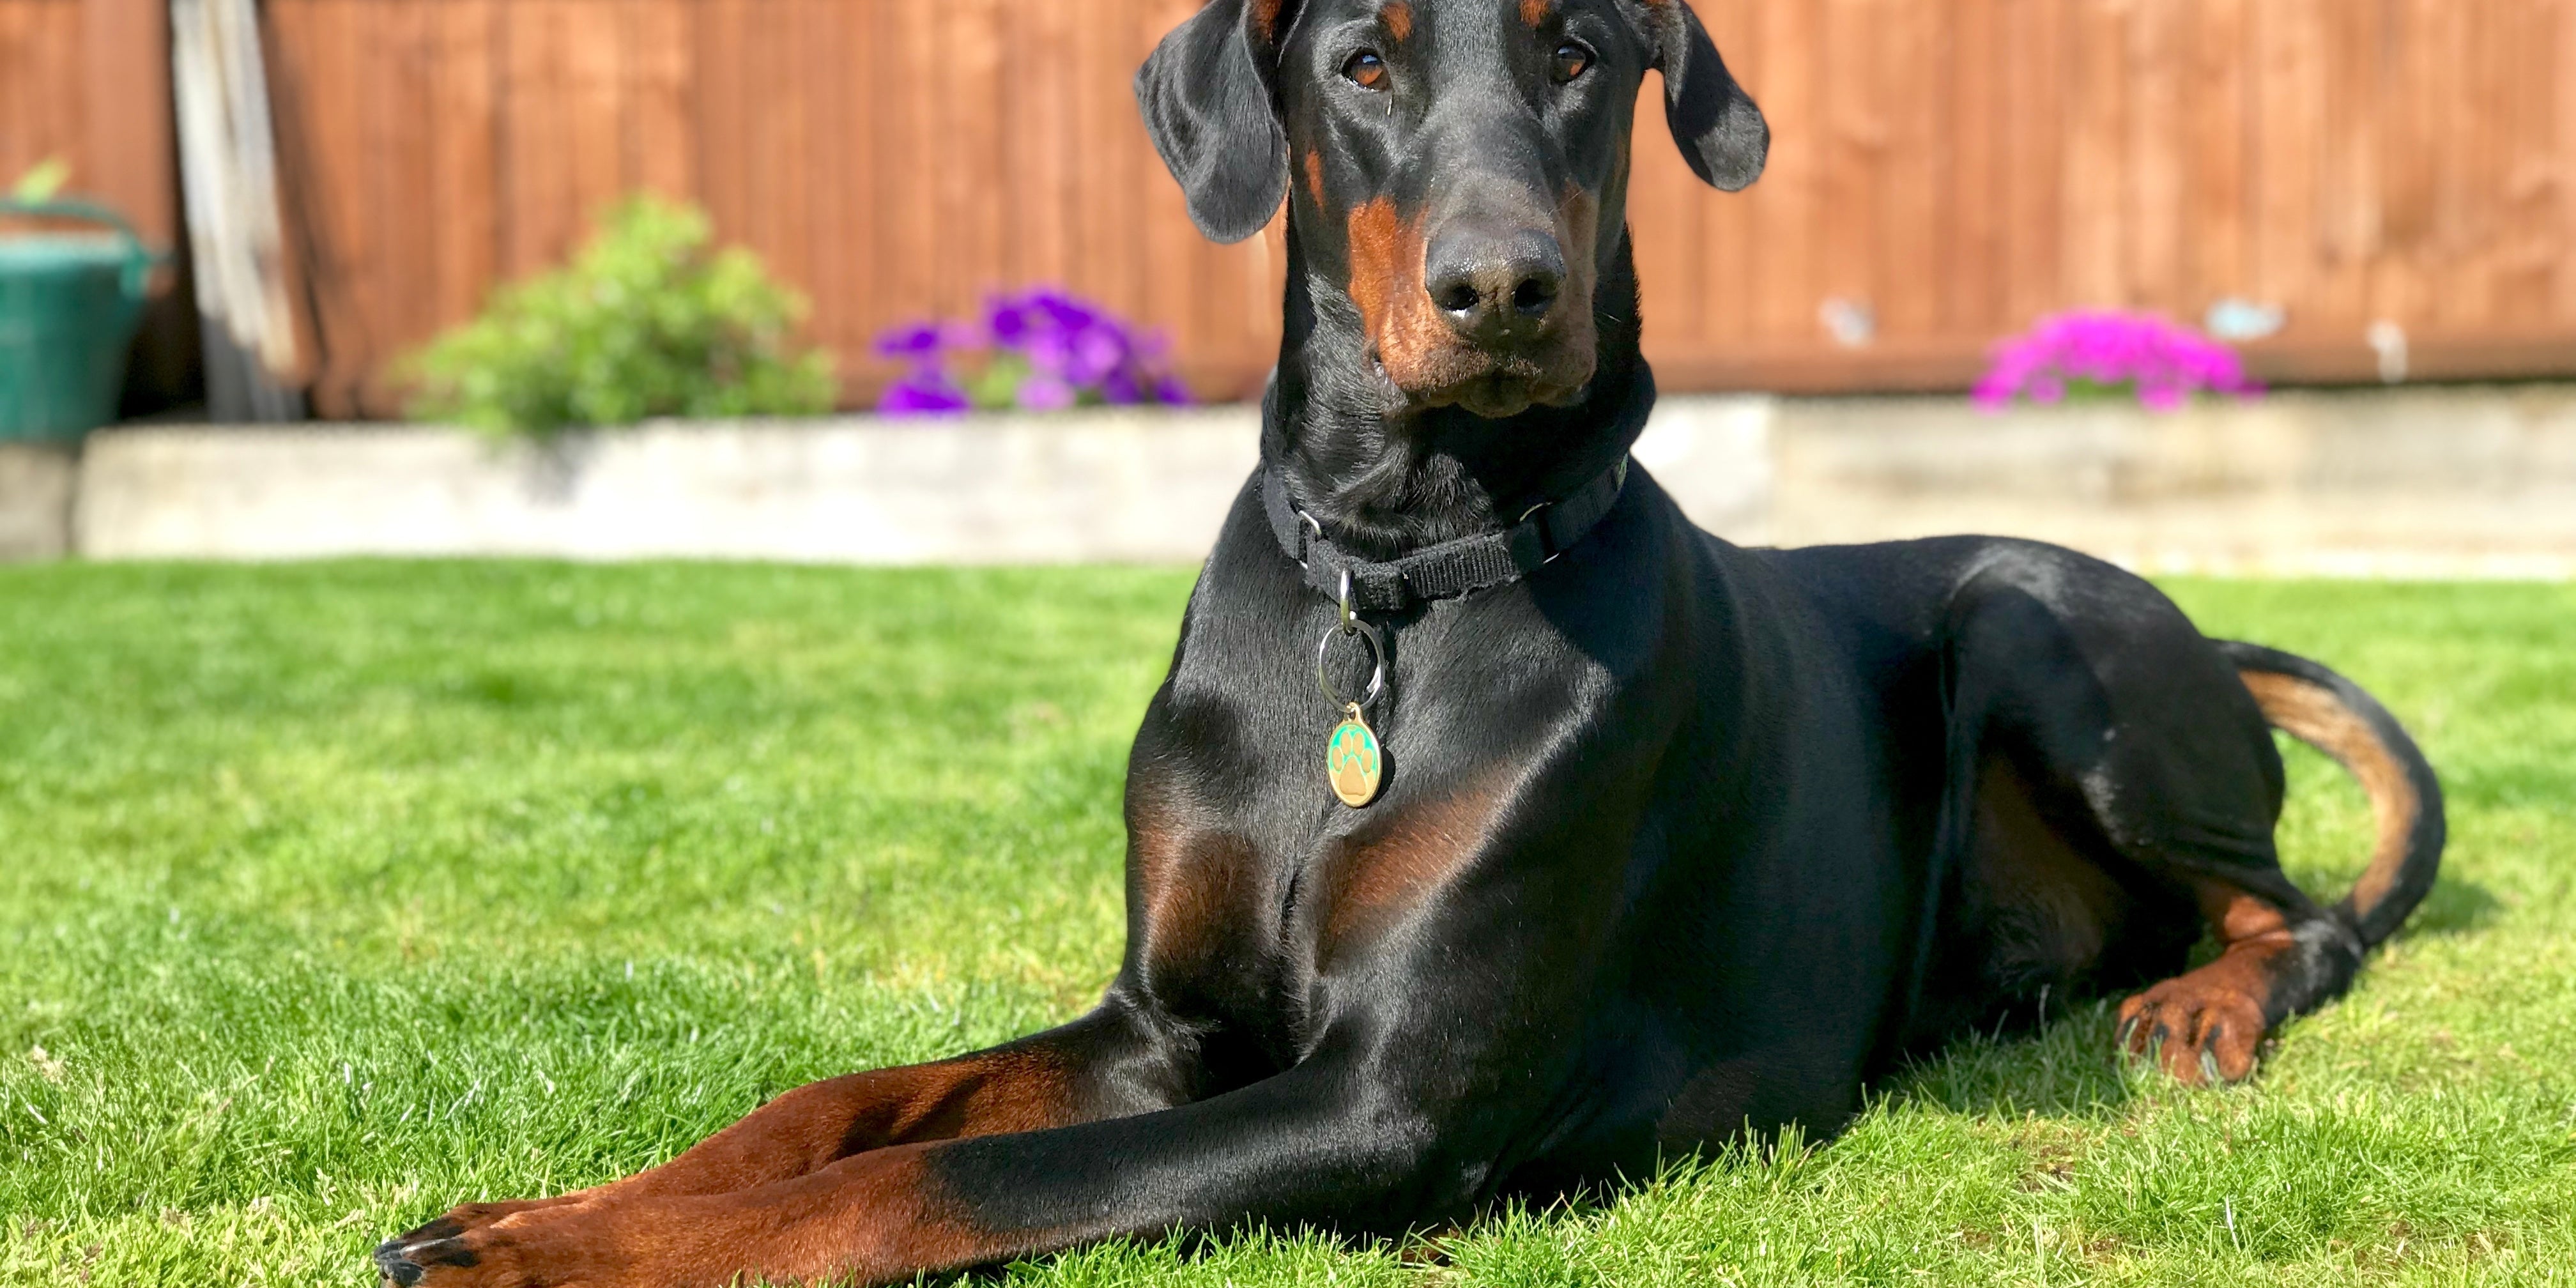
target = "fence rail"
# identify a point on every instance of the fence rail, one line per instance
(1943, 171)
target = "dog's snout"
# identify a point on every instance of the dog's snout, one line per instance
(1495, 287)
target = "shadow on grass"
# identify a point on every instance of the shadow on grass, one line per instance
(2455, 906)
(2067, 1066)
(2063, 1068)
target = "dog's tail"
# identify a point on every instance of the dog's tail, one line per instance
(2334, 715)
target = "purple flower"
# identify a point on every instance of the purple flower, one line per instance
(1063, 311)
(920, 395)
(1099, 352)
(916, 341)
(1072, 350)
(923, 343)
(1046, 393)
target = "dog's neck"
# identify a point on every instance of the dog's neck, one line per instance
(1383, 477)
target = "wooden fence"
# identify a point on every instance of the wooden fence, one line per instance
(1946, 170)
(1959, 167)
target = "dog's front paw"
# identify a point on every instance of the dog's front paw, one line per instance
(407, 1259)
(526, 1244)
(2199, 1033)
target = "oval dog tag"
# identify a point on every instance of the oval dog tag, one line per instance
(1351, 759)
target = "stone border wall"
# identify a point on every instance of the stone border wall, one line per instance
(2417, 482)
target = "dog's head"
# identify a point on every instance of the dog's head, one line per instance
(1459, 167)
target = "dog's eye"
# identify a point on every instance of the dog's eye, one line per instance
(1365, 69)
(1571, 59)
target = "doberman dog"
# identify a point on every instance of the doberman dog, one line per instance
(1612, 839)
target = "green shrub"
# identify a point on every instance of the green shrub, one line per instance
(648, 320)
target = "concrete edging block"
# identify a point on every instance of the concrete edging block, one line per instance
(37, 484)
(2433, 482)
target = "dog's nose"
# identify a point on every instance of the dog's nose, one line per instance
(1494, 287)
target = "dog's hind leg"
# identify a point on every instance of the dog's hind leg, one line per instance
(2270, 965)
(2143, 744)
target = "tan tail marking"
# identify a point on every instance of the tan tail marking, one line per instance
(2312, 714)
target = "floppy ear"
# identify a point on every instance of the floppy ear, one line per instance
(1720, 131)
(1206, 93)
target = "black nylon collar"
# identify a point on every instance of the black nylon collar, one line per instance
(1451, 568)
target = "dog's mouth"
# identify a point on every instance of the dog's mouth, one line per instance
(1496, 385)
(1505, 391)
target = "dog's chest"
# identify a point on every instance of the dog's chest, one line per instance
(1244, 925)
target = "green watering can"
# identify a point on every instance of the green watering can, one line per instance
(69, 303)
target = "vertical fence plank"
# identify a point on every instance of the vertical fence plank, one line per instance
(2033, 104)
(2158, 142)
(1911, 41)
(394, 103)
(463, 120)
(865, 180)
(2095, 200)
(1972, 248)
(776, 222)
(2213, 217)
(823, 54)
(22, 79)
(2520, 51)
(2288, 141)
(55, 110)
(2562, 136)
(661, 147)
(359, 339)
(1786, 207)
(2347, 230)
(1854, 136)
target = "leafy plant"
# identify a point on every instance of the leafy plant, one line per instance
(1040, 351)
(2107, 354)
(649, 319)
(42, 180)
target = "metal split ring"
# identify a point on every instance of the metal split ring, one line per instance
(1351, 626)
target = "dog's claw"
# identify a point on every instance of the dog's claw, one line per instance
(396, 1267)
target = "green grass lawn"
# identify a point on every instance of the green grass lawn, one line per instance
(331, 895)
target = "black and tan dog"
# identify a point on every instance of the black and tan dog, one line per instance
(1629, 840)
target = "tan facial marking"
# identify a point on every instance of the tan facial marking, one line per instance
(1534, 12)
(1403, 326)
(1264, 15)
(2312, 714)
(1398, 17)
(1315, 177)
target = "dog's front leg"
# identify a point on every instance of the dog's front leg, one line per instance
(1323, 1142)
(1109, 1063)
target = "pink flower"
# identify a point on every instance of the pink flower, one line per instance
(2161, 363)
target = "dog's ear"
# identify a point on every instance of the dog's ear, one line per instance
(1207, 94)
(1721, 133)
